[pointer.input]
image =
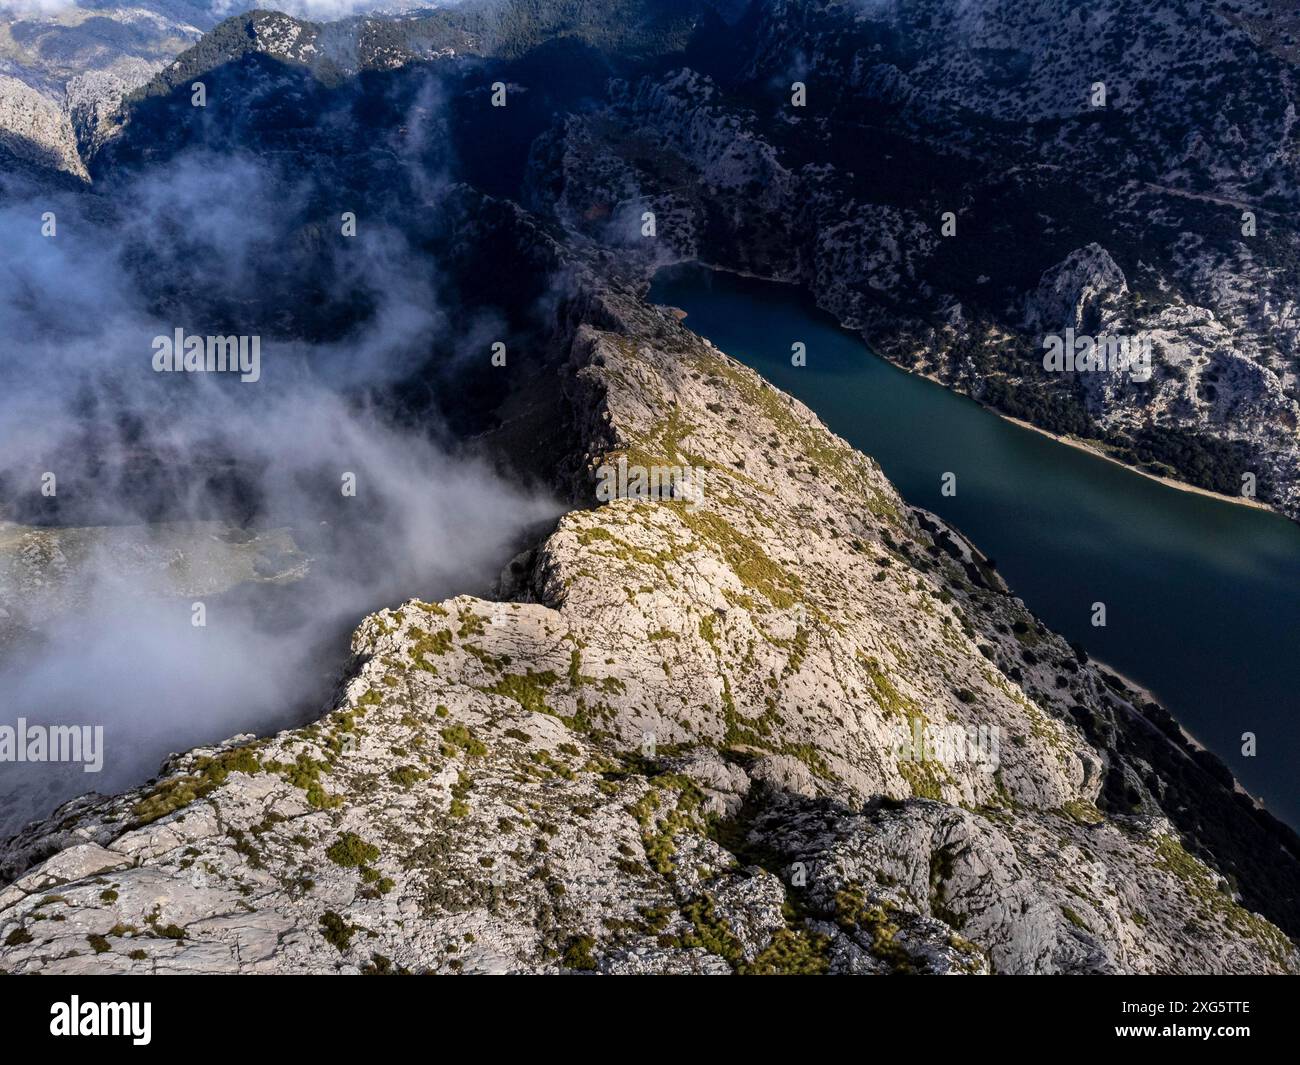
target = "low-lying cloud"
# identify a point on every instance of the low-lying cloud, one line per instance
(326, 10)
(315, 10)
(381, 507)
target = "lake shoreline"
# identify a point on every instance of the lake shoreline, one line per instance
(1076, 535)
(1091, 447)
(1096, 449)
(1145, 693)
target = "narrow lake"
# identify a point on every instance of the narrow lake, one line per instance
(1202, 596)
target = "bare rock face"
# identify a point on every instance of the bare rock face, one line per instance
(66, 69)
(1076, 292)
(92, 99)
(681, 748)
(36, 130)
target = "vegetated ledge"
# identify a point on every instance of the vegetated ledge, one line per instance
(669, 748)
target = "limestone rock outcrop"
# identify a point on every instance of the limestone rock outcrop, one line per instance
(675, 749)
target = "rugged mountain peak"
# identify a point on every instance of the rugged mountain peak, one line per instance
(64, 72)
(269, 33)
(695, 729)
(36, 130)
(1074, 293)
(658, 756)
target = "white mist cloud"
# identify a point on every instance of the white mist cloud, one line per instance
(34, 8)
(78, 397)
(323, 10)
(314, 10)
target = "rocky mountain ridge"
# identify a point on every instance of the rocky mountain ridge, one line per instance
(64, 72)
(672, 746)
(682, 735)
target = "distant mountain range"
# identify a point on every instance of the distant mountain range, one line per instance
(1137, 207)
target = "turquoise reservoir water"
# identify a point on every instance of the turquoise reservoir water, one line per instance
(1202, 596)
